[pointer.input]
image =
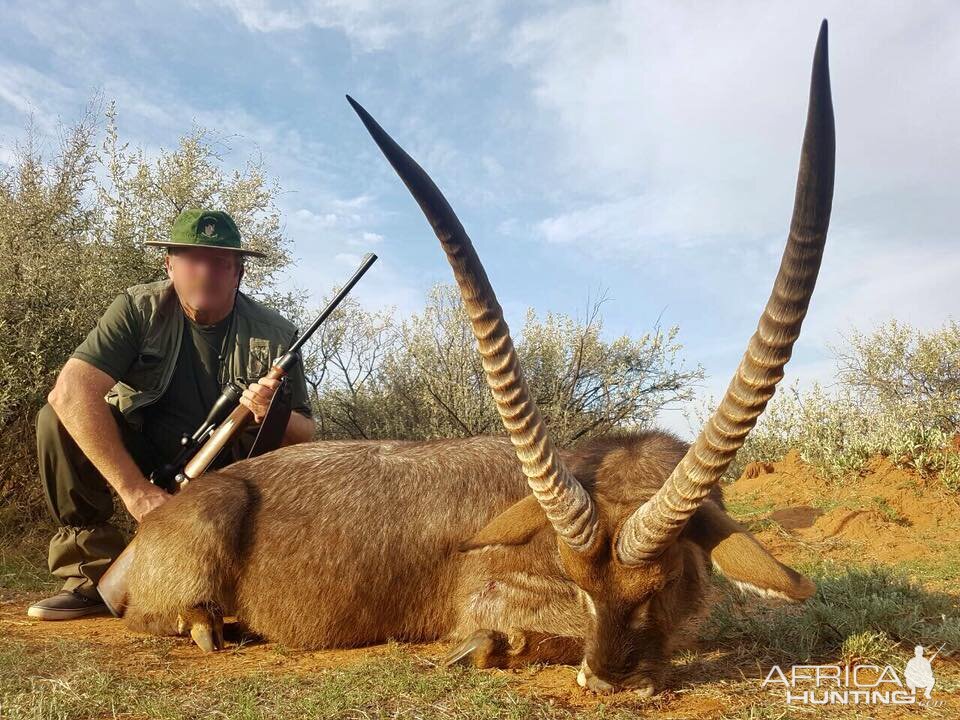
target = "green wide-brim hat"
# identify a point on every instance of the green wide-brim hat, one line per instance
(205, 228)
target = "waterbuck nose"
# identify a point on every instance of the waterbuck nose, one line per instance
(588, 681)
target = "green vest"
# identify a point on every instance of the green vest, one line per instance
(258, 335)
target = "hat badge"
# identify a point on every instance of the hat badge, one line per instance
(209, 228)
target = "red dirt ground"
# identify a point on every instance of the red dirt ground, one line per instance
(887, 515)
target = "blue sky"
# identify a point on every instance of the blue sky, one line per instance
(647, 150)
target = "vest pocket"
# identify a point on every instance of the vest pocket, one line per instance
(259, 360)
(145, 373)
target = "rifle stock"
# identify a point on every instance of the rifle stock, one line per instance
(227, 430)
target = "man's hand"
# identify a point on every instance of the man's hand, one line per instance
(257, 396)
(142, 497)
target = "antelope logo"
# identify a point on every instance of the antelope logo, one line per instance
(514, 550)
(209, 228)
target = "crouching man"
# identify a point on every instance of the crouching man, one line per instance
(147, 374)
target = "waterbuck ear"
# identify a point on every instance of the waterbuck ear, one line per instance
(514, 526)
(737, 554)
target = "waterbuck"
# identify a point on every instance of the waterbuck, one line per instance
(346, 543)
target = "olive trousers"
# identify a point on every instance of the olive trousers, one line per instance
(81, 502)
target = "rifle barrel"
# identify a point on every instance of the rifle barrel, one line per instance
(368, 260)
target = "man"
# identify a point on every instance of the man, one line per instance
(147, 374)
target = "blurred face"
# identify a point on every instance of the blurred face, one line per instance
(204, 278)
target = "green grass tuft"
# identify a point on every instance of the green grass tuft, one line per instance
(876, 611)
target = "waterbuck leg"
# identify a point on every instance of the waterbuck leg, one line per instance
(205, 625)
(533, 601)
(514, 649)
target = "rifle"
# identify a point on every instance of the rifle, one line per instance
(228, 418)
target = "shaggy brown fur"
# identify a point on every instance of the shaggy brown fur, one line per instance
(346, 543)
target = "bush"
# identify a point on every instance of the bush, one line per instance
(898, 396)
(374, 376)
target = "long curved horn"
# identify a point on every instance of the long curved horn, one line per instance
(653, 526)
(567, 505)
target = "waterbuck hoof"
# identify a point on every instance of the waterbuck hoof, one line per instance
(479, 650)
(208, 638)
(205, 627)
(640, 686)
(645, 689)
(589, 681)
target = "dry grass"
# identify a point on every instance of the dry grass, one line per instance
(858, 614)
(864, 614)
(67, 679)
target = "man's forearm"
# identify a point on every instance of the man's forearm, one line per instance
(77, 399)
(299, 429)
(90, 423)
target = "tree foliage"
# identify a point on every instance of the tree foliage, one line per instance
(897, 396)
(377, 377)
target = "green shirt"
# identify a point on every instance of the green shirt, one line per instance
(193, 388)
(198, 377)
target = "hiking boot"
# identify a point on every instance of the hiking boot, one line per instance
(67, 605)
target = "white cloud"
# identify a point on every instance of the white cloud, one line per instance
(685, 120)
(370, 24)
(32, 93)
(673, 134)
(862, 285)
